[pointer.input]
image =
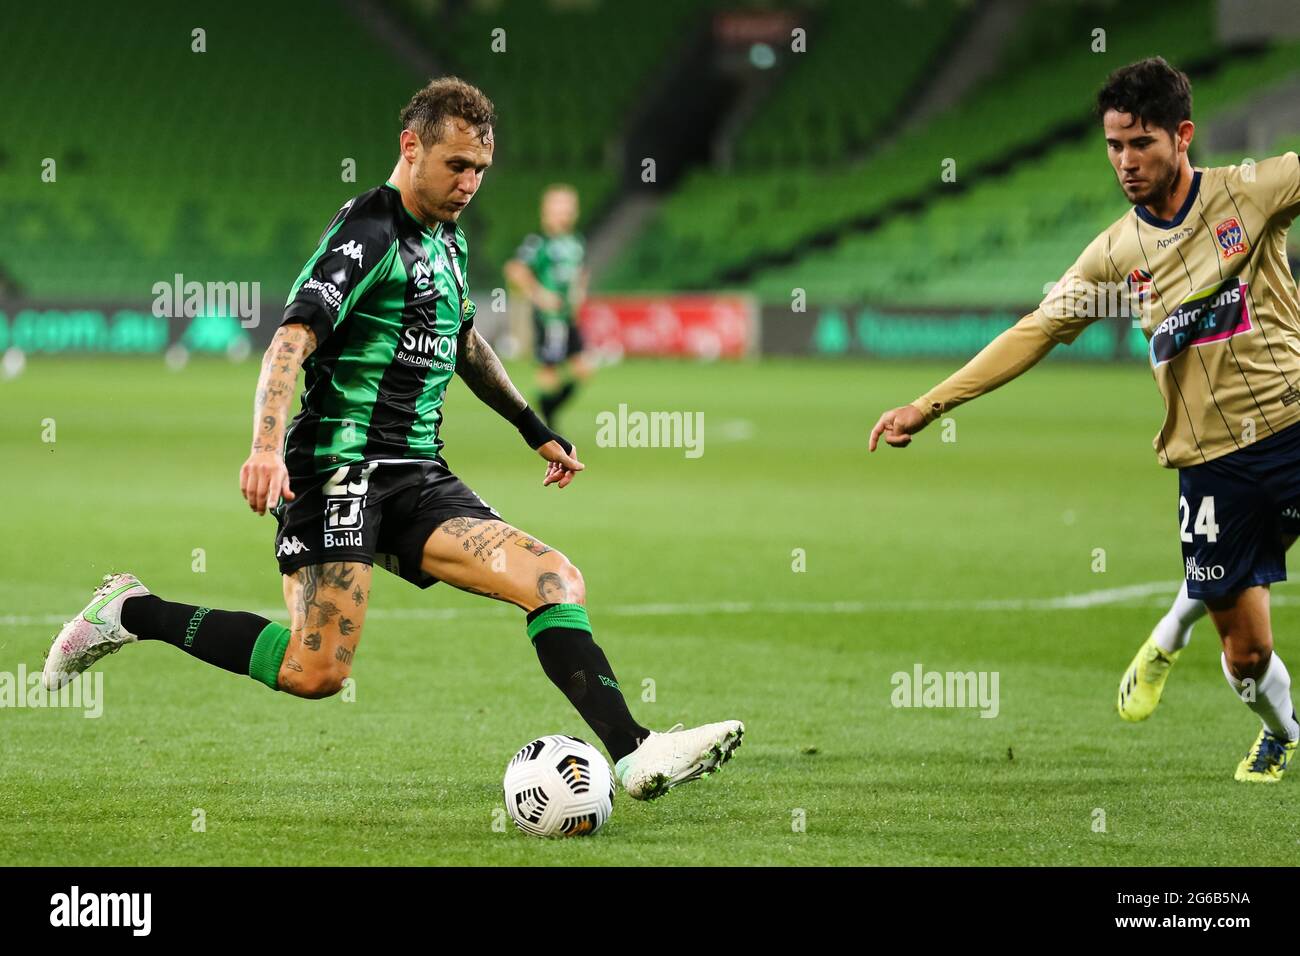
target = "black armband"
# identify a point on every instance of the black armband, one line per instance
(535, 431)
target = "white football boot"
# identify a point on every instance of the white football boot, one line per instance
(677, 756)
(94, 633)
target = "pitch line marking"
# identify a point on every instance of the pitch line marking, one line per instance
(1066, 602)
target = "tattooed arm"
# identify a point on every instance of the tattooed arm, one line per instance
(263, 478)
(481, 370)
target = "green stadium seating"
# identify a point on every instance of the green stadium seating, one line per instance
(1002, 241)
(226, 165)
(757, 218)
(563, 88)
(223, 165)
(846, 86)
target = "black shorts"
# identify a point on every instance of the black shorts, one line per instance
(555, 341)
(1233, 512)
(372, 512)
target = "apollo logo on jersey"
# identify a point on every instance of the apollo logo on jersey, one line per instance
(1210, 315)
(1229, 235)
(1174, 238)
(353, 250)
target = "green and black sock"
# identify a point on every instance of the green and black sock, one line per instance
(236, 641)
(561, 634)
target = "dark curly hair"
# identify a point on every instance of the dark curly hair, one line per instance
(1153, 91)
(448, 96)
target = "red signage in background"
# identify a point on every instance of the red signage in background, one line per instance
(743, 27)
(697, 326)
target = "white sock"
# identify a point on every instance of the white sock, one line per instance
(1272, 703)
(1174, 630)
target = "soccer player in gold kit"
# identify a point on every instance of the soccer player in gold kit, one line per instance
(1204, 251)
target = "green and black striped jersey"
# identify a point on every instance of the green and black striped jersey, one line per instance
(556, 261)
(386, 297)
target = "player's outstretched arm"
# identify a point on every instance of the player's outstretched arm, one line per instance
(1012, 353)
(480, 368)
(263, 477)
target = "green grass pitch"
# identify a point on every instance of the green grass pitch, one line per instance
(947, 555)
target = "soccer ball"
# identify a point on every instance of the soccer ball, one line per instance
(559, 786)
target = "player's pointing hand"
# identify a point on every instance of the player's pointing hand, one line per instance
(562, 466)
(898, 425)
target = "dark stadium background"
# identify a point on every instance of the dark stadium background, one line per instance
(863, 173)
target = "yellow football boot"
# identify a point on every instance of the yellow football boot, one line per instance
(1267, 760)
(1144, 681)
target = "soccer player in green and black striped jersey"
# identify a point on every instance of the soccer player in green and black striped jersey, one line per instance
(380, 318)
(550, 270)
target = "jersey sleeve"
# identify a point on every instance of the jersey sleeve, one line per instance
(529, 249)
(345, 264)
(1011, 354)
(1080, 297)
(1274, 185)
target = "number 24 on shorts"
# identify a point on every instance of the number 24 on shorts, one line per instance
(1205, 524)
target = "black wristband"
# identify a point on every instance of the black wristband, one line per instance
(535, 431)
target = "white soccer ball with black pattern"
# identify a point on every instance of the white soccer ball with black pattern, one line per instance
(559, 786)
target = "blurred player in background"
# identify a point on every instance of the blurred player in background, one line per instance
(380, 318)
(1204, 251)
(549, 269)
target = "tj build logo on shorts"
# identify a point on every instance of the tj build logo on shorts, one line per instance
(345, 505)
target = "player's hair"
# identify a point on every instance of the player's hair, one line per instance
(1155, 93)
(448, 96)
(560, 188)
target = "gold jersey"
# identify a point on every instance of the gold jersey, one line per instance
(1216, 301)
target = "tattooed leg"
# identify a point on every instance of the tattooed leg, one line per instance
(489, 557)
(327, 605)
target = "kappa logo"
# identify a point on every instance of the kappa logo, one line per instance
(353, 250)
(291, 546)
(1229, 234)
